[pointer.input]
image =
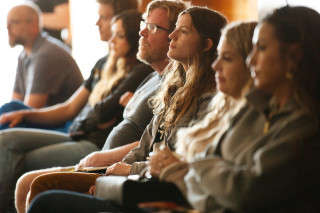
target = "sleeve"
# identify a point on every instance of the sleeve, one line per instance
(46, 74)
(268, 178)
(91, 81)
(138, 155)
(57, 2)
(18, 83)
(106, 109)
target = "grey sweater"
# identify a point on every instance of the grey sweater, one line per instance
(256, 166)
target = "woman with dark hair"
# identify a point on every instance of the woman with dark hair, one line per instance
(268, 158)
(187, 86)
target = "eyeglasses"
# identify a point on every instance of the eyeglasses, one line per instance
(152, 28)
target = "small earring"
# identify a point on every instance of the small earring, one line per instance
(288, 75)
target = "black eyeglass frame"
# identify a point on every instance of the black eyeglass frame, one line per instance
(156, 26)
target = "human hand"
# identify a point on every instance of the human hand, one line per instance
(125, 98)
(89, 160)
(92, 190)
(119, 169)
(159, 160)
(107, 124)
(14, 118)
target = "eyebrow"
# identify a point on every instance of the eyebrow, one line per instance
(227, 53)
(189, 28)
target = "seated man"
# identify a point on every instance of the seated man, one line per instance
(46, 72)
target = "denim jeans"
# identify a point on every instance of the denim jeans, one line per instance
(19, 105)
(23, 150)
(65, 202)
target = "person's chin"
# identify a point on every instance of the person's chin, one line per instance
(170, 54)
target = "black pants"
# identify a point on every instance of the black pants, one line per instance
(146, 190)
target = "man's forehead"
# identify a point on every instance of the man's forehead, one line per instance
(106, 10)
(158, 16)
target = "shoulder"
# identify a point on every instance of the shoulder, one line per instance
(48, 45)
(101, 62)
(142, 67)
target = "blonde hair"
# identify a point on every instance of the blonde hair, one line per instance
(173, 8)
(114, 71)
(193, 140)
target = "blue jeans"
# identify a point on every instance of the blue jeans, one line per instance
(19, 105)
(23, 150)
(65, 202)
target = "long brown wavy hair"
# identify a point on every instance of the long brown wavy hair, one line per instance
(180, 89)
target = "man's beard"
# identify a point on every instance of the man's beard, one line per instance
(147, 56)
(15, 42)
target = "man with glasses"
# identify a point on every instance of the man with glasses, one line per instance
(160, 19)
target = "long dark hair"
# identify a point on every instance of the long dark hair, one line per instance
(117, 68)
(300, 25)
(180, 92)
(131, 24)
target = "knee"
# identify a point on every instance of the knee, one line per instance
(23, 184)
(8, 140)
(4, 140)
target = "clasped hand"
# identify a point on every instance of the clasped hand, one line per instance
(160, 160)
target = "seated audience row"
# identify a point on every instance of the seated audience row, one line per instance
(235, 124)
(265, 157)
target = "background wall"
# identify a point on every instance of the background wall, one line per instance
(233, 9)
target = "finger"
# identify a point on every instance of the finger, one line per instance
(13, 124)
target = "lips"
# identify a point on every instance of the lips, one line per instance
(171, 45)
(219, 79)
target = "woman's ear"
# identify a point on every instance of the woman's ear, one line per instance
(208, 45)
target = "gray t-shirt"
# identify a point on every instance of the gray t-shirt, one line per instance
(49, 69)
(136, 115)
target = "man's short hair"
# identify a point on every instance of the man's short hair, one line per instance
(173, 7)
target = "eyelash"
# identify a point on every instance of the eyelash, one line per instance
(227, 58)
(261, 47)
(224, 58)
(183, 31)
